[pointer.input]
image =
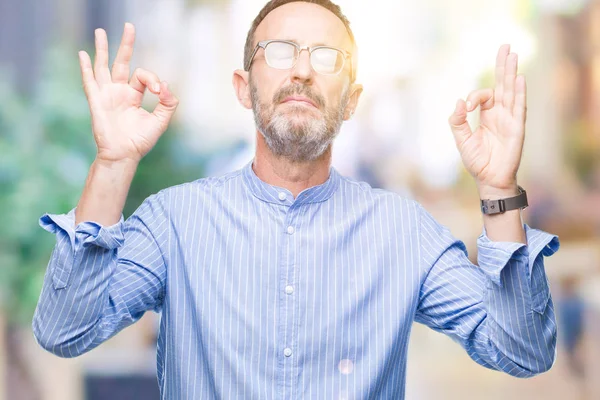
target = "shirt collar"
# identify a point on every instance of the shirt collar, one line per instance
(279, 195)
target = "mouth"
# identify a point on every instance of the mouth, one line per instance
(305, 101)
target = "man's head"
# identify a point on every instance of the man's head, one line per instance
(299, 98)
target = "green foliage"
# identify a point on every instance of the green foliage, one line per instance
(46, 147)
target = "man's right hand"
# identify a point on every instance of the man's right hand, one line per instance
(123, 130)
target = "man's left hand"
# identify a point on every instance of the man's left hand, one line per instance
(492, 153)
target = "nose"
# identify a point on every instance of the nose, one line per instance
(302, 71)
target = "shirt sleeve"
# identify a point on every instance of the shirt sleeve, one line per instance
(100, 279)
(501, 312)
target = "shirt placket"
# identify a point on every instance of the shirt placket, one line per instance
(287, 301)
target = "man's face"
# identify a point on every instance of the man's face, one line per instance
(299, 111)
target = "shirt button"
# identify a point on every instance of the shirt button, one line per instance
(291, 230)
(289, 289)
(287, 352)
(282, 196)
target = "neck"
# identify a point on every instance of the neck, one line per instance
(293, 176)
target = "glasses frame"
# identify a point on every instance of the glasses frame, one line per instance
(263, 44)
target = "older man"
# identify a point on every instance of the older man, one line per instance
(285, 279)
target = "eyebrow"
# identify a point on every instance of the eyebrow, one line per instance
(316, 44)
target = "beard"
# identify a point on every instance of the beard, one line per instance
(297, 134)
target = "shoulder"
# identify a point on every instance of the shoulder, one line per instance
(199, 186)
(384, 200)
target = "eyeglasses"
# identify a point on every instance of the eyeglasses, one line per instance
(283, 54)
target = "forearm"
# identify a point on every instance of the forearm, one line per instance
(506, 227)
(520, 321)
(500, 311)
(96, 284)
(521, 336)
(75, 298)
(105, 192)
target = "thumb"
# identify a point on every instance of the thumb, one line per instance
(459, 124)
(167, 105)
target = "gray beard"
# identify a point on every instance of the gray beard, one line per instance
(297, 141)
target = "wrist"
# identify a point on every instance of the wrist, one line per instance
(116, 166)
(487, 192)
(105, 191)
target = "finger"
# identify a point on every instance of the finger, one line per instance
(142, 79)
(482, 97)
(167, 105)
(520, 108)
(101, 63)
(458, 123)
(500, 65)
(90, 86)
(510, 74)
(120, 69)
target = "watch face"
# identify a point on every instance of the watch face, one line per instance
(492, 206)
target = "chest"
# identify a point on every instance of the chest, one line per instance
(332, 289)
(313, 256)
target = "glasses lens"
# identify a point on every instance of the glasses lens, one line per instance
(280, 55)
(327, 61)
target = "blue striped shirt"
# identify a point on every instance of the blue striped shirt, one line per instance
(266, 296)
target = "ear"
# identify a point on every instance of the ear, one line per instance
(356, 91)
(242, 88)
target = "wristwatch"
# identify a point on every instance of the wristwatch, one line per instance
(500, 206)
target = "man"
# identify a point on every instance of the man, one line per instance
(285, 279)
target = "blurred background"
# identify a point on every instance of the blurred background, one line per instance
(416, 59)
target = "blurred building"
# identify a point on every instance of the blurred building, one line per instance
(35, 25)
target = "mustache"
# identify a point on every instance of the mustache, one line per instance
(299, 90)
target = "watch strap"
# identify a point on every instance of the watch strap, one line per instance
(490, 207)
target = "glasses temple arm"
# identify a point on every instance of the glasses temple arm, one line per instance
(247, 67)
